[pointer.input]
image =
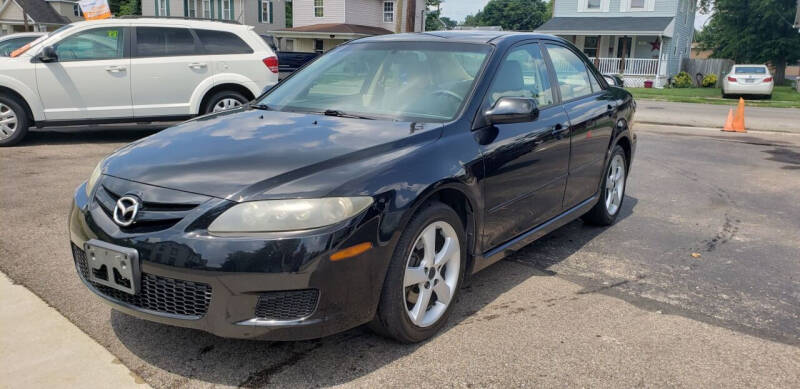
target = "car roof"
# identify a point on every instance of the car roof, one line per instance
(166, 21)
(468, 36)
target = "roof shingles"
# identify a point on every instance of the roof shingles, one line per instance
(605, 24)
(41, 12)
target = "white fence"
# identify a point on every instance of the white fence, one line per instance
(630, 66)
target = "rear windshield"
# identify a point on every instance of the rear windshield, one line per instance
(751, 70)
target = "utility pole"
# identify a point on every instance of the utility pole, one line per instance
(24, 16)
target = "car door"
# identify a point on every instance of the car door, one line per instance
(590, 109)
(231, 55)
(168, 65)
(90, 78)
(526, 163)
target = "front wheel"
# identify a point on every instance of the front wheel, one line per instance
(612, 191)
(14, 121)
(424, 276)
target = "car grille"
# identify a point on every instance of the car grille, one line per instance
(151, 216)
(287, 305)
(160, 294)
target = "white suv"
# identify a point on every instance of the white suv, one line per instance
(132, 70)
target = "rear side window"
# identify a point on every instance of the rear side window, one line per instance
(222, 42)
(751, 70)
(164, 42)
(571, 72)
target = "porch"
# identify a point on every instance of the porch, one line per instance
(635, 48)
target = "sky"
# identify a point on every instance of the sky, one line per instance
(459, 9)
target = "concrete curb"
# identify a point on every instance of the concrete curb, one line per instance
(39, 348)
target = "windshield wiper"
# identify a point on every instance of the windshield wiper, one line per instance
(262, 107)
(337, 113)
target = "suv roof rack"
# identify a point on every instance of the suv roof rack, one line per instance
(178, 18)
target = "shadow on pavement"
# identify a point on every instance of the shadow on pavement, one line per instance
(340, 358)
(76, 135)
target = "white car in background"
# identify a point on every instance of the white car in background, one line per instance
(748, 80)
(132, 70)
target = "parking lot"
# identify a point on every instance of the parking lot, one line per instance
(698, 284)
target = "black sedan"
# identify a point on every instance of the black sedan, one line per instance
(362, 189)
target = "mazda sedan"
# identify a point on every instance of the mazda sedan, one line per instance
(364, 188)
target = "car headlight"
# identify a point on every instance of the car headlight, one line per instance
(98, 171)
(288, 215)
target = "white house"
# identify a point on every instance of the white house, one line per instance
(264, 15)
(637, 39)
(320, 25)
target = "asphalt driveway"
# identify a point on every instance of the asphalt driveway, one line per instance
(628, 305)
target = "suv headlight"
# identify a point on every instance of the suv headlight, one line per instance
(288, 215)
(98, 171)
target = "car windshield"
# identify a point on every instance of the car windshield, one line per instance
(751, 70)
(397, 80)
(38, 40)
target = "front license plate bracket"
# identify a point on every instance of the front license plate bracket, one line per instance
(113, 266)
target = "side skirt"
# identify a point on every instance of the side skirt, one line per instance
(80, 122)
(526, 238)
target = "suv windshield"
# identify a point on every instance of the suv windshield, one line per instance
(397, 80)
(23, 49)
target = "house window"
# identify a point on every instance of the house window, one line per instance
(590, 45)
(637, 4)
(191, 11)
(593, 4)
(318, 9)
(162, 8)
(207, 10)
(388, 11)
(226, 9)
(318, 45)
(266, 12)
(76, 10)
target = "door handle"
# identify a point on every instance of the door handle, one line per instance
(197, 65)
(115, 69)
(558, 130)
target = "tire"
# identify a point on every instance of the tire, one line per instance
(14, 121)
(605, 212)
(398, 302)
(222, 97)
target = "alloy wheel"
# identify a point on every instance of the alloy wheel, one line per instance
(615, 184)
(226, 104)
(432, 272)
(8, 121)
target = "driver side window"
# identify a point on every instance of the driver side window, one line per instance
(523, 73)
(95, 44)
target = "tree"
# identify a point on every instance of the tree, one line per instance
(755, 31)
(433, 21)
(519, 15)
(130, 7)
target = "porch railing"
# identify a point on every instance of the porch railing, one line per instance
(628, 66)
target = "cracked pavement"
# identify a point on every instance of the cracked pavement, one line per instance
(627, 305)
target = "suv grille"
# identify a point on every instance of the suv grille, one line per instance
(288, 305)
(152, 216)
(160, 294)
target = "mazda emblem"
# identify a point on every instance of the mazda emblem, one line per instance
(126, 210)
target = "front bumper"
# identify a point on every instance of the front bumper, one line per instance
(242, 287)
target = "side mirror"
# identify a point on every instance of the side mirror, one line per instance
(48, 54)
(512, 110)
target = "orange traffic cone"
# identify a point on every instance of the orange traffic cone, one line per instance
(729, 122)
(738, 120)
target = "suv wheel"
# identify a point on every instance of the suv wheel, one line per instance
(424, 276)
(14, 121)
(223, 101)
(612, 191)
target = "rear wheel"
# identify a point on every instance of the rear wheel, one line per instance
(424, 276)
(14, 121)
(224, 100)
(612, 191)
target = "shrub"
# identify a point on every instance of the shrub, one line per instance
(710, 81)
(682, 80)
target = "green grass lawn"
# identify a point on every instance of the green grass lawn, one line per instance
(782, 96)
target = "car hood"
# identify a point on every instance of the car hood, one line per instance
(225, 154)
